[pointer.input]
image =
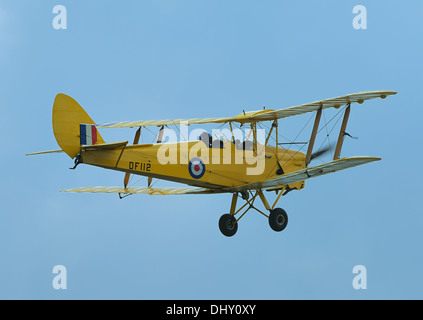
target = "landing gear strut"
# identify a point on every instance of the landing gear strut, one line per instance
(228, 223)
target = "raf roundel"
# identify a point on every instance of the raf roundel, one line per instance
(196, 168)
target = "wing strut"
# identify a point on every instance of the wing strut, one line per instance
(342, 133)
(159, 140)
(313, 136)
(279, 171)
(136, 141)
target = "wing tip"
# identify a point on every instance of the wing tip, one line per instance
(368, 158)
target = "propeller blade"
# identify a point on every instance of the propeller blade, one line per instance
(159, 140)
(136, 140)
(319, 153)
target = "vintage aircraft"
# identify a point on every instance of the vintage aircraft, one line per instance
(283, 169)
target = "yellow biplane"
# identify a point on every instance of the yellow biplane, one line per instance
(208, 165)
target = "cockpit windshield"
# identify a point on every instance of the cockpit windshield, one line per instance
(217, 143)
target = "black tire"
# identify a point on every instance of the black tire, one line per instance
(228, 225)
(278, 219)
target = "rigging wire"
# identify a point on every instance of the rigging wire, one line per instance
(330, 131)
(264, 126)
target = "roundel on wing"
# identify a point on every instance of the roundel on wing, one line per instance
(196, 168)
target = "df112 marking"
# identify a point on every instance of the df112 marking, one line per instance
(140, 166)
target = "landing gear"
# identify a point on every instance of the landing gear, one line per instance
(278, 219)
(228, 225)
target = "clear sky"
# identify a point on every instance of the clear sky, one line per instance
(141, 60)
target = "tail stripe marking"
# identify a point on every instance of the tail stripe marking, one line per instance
(88, 133)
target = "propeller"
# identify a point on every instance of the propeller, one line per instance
(136, 140)
(320, 152)
(314, 155)
(159, 140)
(326, 149)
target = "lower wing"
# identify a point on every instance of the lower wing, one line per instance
(287, 179)
(306, 173)
(139, 190)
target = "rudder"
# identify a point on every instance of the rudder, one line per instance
(69, 120)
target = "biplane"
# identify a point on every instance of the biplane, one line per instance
(210, 168)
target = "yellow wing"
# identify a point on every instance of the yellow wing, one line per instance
(328, 103)
(139, 190)
(287, 179)
(307, 173)
(158, 123)
(262, 115)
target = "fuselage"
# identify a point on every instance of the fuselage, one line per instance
(196, 164)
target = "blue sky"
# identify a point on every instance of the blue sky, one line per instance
(141, 60)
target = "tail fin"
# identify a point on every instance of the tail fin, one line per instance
(72, 126)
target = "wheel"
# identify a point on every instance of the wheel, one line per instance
(278, 219)
(228, 225)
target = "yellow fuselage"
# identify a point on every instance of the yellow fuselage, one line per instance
(223, 167)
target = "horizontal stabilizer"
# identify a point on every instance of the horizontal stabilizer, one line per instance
(44, 152)
(139, 190)
(105, 146)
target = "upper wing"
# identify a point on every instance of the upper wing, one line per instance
(158, 123)
(262, 115)
(328, 103)
(307, 173)
(139, 190)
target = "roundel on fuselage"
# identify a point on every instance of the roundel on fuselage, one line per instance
(196, 168)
